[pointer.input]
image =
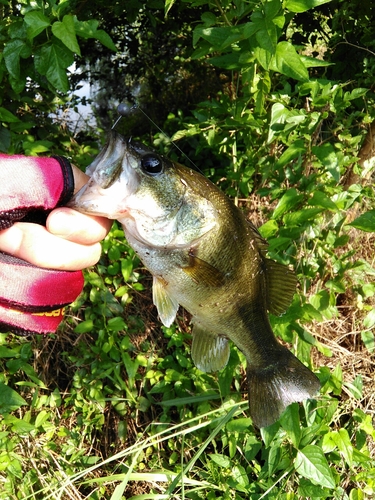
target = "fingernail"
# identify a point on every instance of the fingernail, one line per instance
(61, 222)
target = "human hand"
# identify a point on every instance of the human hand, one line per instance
(40, 265)
(70, 240)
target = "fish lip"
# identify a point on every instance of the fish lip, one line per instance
(104, 170)
(107, 166)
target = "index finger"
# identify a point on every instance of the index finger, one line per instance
(74, 226)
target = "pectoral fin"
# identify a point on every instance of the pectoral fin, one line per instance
(281, 286)
(166, 305)
(202, 272)
(210, 353)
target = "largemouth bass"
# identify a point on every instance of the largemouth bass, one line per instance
(205, 256)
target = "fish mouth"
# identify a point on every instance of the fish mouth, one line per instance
(98, 196)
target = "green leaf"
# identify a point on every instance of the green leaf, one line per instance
(303, 5)
(86, 29)
(240, 478)
(266, 32)
(227, 61)
(268, 229)
(168, 6)
(289, 63)
(13, 51)
(295, 150)
(279, 114)
(301, 216)
(65, 31)
(289, 200)
(320, 199)
(327, 156)
(84, 327)
(35, 147)
(357, 494)
(42, 417)
(264, 57)
(290, 422)
(369, 320)
(312, 464)
(105, 40)
(52, 60)
(18, 425)
(355, 94)
(5, 139)
(89, 29)
(7, 116)
(10, 400)
(116, 324)
(369, 340)
(220, 460)
(335, 381)
(5, 352)
(365, 222)
(313, 62)
(208, 18)
(273, 459)
(239, 425)
(308, 490)
(342, 440)
(215, 36)
(37, 22)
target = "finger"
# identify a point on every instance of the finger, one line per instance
(79, 228)
(33, 243)
(80, 178)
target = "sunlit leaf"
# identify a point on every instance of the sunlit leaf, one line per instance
(365, 222)
(288, 62)
(37, 22)
(290, 199)
(7, 116)
(84, 326)
(369, 340)
(303, 5)
(65, 31)
(312, 464)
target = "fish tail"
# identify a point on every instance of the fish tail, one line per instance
(273, 388)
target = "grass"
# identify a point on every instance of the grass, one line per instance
(114, 408)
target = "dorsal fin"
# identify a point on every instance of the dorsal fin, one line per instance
(261, 243)
(281, 285)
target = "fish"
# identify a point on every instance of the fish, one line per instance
(205, 256)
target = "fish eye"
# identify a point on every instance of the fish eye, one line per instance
(151, 164)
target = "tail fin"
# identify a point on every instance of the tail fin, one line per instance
(273, 388)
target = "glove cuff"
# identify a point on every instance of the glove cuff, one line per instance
(28, 323)
(67, 173)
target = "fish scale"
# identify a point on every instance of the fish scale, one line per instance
(205, 256)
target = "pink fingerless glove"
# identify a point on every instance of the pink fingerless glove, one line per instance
(32, 299)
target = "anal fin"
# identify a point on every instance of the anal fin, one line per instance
(210, 353)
